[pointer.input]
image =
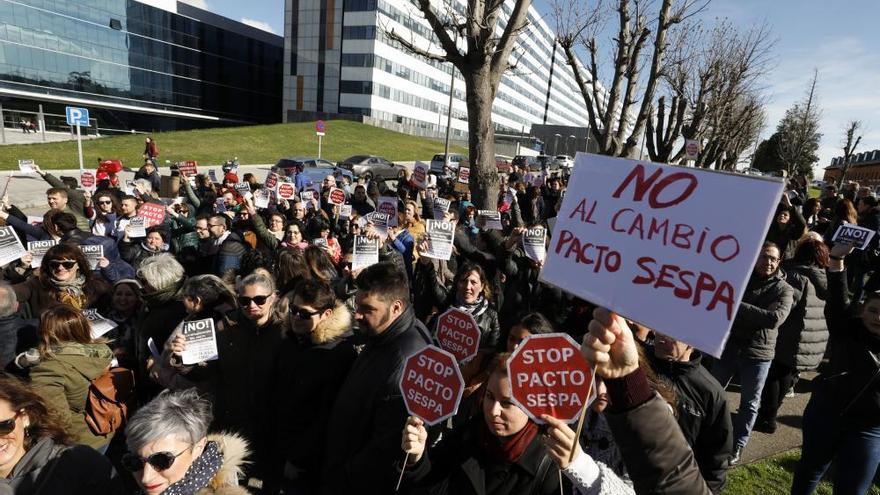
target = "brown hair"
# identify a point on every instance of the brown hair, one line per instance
(62, 324)
(44, 421)
(65, 251)
(62, 191)
(48, 224)
(468, 267)
(812, 252)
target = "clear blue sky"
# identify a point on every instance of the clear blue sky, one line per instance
(838, 38)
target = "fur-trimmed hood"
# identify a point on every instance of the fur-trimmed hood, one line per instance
(334, 327)
(235, 451)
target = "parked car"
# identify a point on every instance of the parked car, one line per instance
(564, 161)
(316, 169)
(502, 163)
(439, 159)
(543, 162)
(369, 167)
(525, 161)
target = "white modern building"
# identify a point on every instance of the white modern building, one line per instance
(339, 59)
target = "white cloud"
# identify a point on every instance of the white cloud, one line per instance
(258, 24)
(201, 4)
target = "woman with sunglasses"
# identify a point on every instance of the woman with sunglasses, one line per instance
(69, 360)
(171, 452)
(102, 209)
(38, 455)
(320, 338)
(64, 278)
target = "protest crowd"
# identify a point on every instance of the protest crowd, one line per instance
(237, 336)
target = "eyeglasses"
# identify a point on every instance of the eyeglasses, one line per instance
(105, 202)
(8, 426)
(67, 264)
(161, 461)
(246, 301)
(302, 313)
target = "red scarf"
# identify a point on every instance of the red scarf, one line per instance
(508, 449)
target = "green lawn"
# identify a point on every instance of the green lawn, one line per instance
(252, 144)
(771, 476)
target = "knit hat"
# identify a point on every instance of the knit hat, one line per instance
(230, 177)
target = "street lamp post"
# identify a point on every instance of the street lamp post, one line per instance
(556, 144)
(574, 151)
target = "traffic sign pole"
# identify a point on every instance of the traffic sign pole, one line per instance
(79, 148)
(320, 139)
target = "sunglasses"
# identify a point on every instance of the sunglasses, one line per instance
(8, 426)
(105, 202)
(245, 301)
(160, 461)
(68, 265)
(301, 313)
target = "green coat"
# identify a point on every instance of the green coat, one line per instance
(63, 381)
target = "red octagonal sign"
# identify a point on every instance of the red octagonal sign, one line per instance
(286, 190)
(548, 375)
(431, 385)
(87, 179)
(458, 334)
(337, 196)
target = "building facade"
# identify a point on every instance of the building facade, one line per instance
(339, 60)
(151, 65)
(864, 168)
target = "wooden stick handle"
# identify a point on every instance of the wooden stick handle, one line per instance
(402, 469)
(580, 426)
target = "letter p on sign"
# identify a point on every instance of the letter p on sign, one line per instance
(431, 385)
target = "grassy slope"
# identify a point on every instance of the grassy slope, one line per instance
(772, 476)
(252, 145)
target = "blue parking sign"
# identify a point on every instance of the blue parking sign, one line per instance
(77, 115)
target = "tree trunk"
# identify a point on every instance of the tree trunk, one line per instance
(484, 183)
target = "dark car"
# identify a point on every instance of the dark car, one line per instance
(369, 167)
(316, 169)
(525, 162)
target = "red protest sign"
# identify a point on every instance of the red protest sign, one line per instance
(458, 334)
(419, 176)
(549, 376)
(286, 190)
(337, 196)
(153, 213)
(188, 167)
(431, 385)
(271, 180)
(87, 179)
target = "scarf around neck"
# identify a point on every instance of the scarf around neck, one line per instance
(476, 309)
(508, 449)
(200, 473)
(71, 291)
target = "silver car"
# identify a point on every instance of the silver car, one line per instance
(369, 167)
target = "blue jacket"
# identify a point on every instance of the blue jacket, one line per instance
(118, 269)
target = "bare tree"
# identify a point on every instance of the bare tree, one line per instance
(799, 132)
(473, 44)
(852, 138)
(619, 113)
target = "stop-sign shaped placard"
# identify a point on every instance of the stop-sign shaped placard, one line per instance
(320, 126)
(337, 196)
(549, 376)
(87, 179)
(286, 190)
(458, 334)
(431, 385)
(153, 213)
(271, 180)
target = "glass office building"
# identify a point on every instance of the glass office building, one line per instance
(339, 59)
(156, 65)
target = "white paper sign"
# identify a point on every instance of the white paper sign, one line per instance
(261, 198)
(380, 223)
(647, 241)
(99, 324)
(137, 227)
(534, 242)
(345, 211)
(388, 205)
(201, 341)
(242, 187)
(859, 237)
(38, 250)
(489, 220)
(439, 236)
(11, 248)
(365, 252)
(93, 254)
(26, 166)
(691, 149)
(441, 207)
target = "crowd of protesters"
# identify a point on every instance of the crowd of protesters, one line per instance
(303, 394)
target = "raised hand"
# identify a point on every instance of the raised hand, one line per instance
(609, 345)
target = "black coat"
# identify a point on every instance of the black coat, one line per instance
(364, 429)
(16, 335)
(765, 306)
(457, 465)
(48, 468)
(804, 334)
(702, 414)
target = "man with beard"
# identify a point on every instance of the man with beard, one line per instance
(363, 439)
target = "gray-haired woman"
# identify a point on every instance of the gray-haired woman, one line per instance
(170, 451)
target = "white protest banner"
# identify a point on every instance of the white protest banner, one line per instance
(137, 227)
(201, 341)
(388, 205)
(212, 175)
(129, 187)
(859, 237)
(420, 174)
(345, 211)
(534, 242)
(462, 183)
(439, 236)
(35, 220)
(99, 324)
(380, 223)
(365, 252)
(316, 193)
(26, 166)
(220, 205)
(441, 207)
(489, 220)
(261, 198)
(93, 254)
(38, 250)
(242, 187)
(646, 241)
(320, 242)
(10, 247)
